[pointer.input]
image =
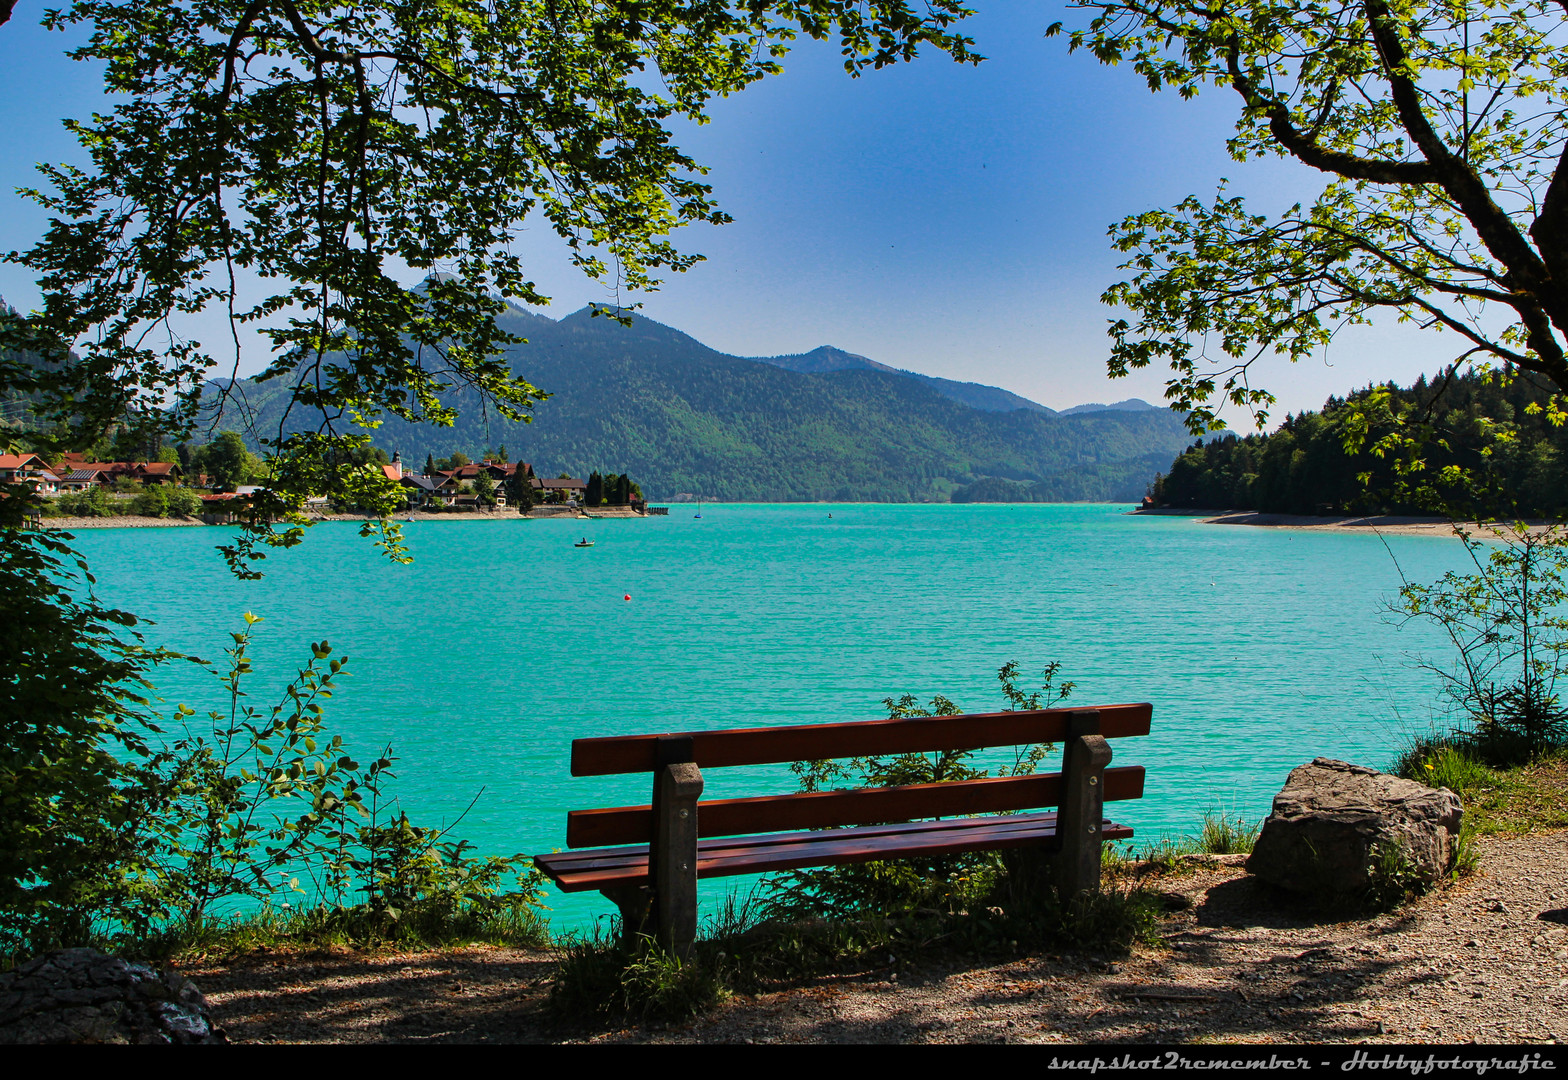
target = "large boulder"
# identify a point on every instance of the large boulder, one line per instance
(86, 996)
(1333, 823)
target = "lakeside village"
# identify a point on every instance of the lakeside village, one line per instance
(76, 487)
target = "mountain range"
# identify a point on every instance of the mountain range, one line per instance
(678, 416)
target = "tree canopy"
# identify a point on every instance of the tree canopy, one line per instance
(224, 458)
(282, 161)
(1305, 468)
(1440, 129)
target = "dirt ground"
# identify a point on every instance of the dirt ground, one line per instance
(1485, 960)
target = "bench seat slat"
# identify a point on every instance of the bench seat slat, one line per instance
(810, 742)
(735, 850)
(616, 855)
(728, 856)
(827, 809)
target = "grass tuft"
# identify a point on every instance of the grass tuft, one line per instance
(599, 978)
(1509, 801)
(1394, 879)
(1447, 763)
(509, 921)
(751, 946)
(1466, 857)
(1223, 836)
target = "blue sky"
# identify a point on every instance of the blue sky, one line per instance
(942, 218)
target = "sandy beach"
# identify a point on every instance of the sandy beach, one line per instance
(1392, 524)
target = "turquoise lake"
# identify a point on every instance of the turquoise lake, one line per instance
(480, 662)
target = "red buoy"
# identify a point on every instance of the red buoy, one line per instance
(628, 596)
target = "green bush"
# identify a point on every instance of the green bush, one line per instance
(94, 502)
(152, 501)
(120, 831)
(76, 852)
(1508, 624)
(184, 501)
(258, 800)
(944, 884)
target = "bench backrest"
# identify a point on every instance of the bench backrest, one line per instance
(815, 742)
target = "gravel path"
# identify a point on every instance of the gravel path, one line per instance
(1485, 960)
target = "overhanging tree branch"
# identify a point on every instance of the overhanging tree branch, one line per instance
(1454, 216)
(1306, 148)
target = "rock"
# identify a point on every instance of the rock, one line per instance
(1331, 817)
(87, 996)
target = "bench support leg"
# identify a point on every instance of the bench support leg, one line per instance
(1082, 812)
(673, 856)
(634, 902)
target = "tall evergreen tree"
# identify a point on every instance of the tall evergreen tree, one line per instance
(520, 491)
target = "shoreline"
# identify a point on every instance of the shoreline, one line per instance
(1392, 524)
(135, 521)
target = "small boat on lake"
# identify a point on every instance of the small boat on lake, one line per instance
(584, 542)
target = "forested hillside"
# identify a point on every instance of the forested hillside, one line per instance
(1303, 467)
(976, 395)
(681, 417)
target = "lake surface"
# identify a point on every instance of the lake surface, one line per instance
(480, 662)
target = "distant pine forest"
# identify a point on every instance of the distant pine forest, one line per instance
(1303, 467)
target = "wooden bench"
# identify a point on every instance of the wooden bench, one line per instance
(678, 839)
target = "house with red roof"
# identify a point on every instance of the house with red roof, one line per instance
(224, 508)
(77, 474)
(156, 472)
(14, 467)
(28, 468)
(500, 473)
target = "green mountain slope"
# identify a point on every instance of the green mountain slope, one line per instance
(681, 417)
(825, 358)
